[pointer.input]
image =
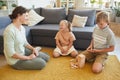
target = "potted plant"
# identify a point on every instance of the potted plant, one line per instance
(116, 11)
(92, 2)
(100, 2)
(1, 3)
(14, 5)
(4, 6)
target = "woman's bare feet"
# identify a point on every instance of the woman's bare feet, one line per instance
(38, 48)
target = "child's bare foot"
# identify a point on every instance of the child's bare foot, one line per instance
(81, 60)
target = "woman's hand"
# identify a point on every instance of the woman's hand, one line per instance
(35, 52)
(32, 56)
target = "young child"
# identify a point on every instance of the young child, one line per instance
(103, 41)
(64, 40)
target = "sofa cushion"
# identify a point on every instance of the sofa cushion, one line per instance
(84, 33)
(44, 35)
(50, 30)
(4, 21)
(89, 13)
(53, 16)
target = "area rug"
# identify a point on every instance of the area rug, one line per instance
(59, 69)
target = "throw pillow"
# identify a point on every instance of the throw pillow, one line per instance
(34, 18)
(91, 14)
(53, 15)
(79, 21)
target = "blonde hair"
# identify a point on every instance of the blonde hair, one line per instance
(68, 24)
(102, 16)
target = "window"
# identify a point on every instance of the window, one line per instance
(99, 3)
(117, 0)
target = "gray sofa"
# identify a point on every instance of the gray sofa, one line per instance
(44, 32)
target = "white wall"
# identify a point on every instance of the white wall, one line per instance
(36, 3)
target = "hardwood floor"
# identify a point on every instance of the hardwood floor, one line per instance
(2, 60)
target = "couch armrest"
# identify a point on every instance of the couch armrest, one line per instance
(4, 21)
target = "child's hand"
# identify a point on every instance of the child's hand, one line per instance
(62, 50)
(65, 52)
(96, 51)
(89, 48)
